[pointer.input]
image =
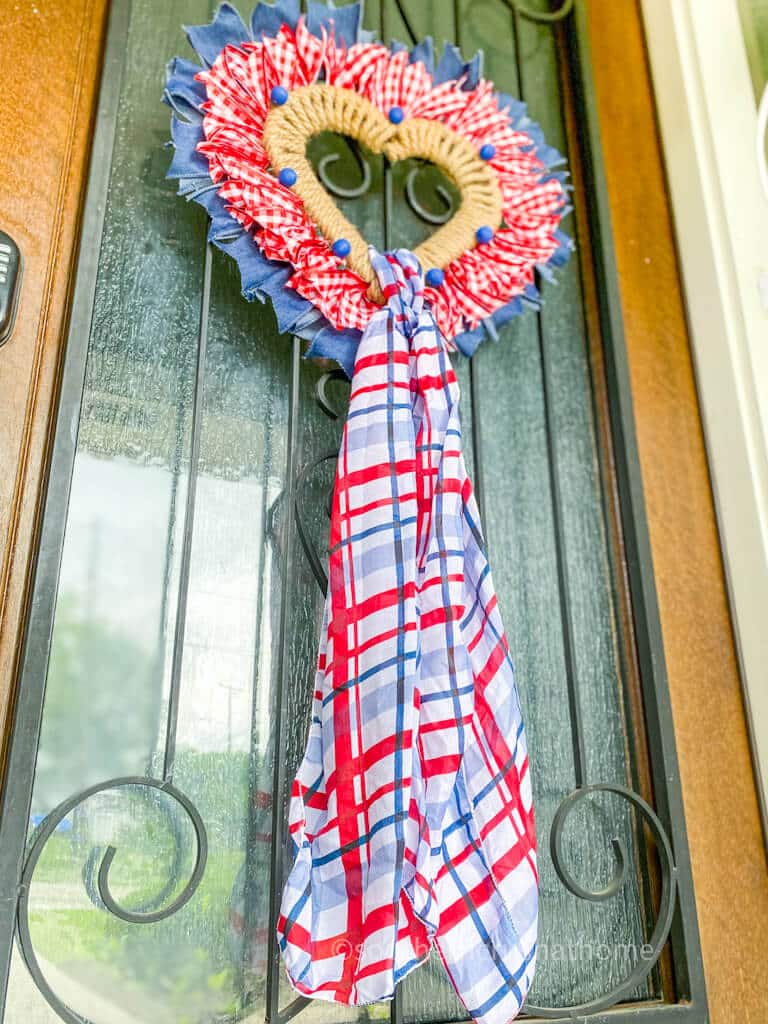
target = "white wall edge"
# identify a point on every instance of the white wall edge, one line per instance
(708, 121)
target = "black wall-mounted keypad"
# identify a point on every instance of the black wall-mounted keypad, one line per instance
(10, 283)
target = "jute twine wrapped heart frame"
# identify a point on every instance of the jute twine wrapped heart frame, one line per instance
(240, 125)
(316, 108)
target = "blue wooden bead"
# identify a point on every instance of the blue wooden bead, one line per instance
(396, 115)
(484, 235)
(488, 151)
(287, 177)
(341, 248)
(434, 277)
(279, 95)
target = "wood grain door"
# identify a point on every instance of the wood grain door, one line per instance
(174, 615)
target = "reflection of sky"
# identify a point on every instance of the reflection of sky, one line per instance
(115, 563)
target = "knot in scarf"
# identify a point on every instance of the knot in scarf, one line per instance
(411, 813)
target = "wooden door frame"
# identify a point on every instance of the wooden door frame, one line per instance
(725, 839)
(721, 223)
(43, 175)
(721, 807)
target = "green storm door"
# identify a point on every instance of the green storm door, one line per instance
(169, 657)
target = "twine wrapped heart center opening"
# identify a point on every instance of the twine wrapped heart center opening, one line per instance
(313, 109)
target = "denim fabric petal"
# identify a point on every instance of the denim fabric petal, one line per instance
(290, 307)
(562, 254)
(226, 28)
(183, 93)
(267, 18)
(507, 313)
(202, 191)
(187, 162)
(516, 108)
(223, 225)
(468, 341)
(449, 66)
(424, 52)
(346, 20)
(452, 65)
(473, 69)
(328, 343)
(255, 269)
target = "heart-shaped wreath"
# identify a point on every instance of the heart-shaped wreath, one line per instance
(240, 128)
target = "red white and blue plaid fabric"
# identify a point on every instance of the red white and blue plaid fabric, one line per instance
(411, 813)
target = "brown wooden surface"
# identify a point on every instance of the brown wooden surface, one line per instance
(46, 105)
(722, 817)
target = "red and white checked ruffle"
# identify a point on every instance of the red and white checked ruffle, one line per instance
(481, 281)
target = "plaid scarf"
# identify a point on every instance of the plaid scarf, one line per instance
(411, 813)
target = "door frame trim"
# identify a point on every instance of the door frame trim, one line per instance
(41, 206)
(667, 791)
(721, 221)
(24, 723)
(728, 853)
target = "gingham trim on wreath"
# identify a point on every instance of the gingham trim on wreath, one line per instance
(219, 110)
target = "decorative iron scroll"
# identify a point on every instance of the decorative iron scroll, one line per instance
(94, 864)
(666, 904)
(44, 832)
(339, 190)
(420, 210)
(366, 175)
(541, 17)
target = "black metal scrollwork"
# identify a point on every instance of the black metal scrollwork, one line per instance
(321, 395)
(95, 857)
(44, 832)
(339, 190)
(329, 160)
(305, 538)
(307, 543)
(666, 910)
(418, 208)
(542, 17)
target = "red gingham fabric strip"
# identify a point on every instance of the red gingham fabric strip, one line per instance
(238, 88)
(411, 813)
